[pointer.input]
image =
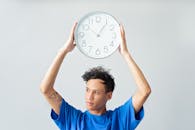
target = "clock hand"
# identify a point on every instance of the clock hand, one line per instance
(94, 32)
(102, 27)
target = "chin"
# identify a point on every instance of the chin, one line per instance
(90, 108)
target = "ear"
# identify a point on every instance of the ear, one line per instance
(109, 95)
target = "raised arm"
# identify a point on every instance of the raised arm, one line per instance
(47, 84)
(143, 88)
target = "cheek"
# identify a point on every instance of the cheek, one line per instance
(86, 96)
(100, 99)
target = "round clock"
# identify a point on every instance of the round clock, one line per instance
(97, 35)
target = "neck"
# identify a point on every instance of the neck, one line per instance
(98, 112)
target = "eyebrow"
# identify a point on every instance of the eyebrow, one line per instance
(95, 89)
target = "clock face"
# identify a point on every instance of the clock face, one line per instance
(97, 35)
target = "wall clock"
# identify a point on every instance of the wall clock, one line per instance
(97, 35)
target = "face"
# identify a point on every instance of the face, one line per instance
(96, 96)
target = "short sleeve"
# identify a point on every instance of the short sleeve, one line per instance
(66, 117)
(127, 116)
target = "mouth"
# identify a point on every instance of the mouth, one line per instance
(89, 103)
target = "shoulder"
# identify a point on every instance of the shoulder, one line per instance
(67, 110)
(126, 105)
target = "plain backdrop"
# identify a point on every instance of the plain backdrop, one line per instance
(160, 36)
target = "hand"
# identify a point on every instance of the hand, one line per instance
(70, 44)
(123, 46)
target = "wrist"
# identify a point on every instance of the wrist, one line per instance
(125, 54)
(63, 51)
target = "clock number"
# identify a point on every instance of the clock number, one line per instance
(105, 49)
(81, 34)
(97, 52)
(111, 27)
(98, 19)
(90, 21)
(114, 35)
(83, 43)
(111, 44)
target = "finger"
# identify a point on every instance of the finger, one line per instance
(122, 29)
(119, 48)
(122, 33)
(72, 30)
(74, 43)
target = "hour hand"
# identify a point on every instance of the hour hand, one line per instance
(93, 32)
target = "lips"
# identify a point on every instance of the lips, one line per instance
(89, 103)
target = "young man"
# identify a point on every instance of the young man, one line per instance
(99, 88)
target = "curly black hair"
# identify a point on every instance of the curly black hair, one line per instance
(100, 73)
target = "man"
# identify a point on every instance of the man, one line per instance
(99, 88)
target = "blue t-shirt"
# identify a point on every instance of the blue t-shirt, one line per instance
(122, 118)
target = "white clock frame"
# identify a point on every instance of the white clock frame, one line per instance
(97, 35)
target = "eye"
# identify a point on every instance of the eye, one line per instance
(97, 92)
(87, 89)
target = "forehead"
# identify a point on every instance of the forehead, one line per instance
(96, 84)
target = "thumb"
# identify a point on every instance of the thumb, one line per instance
(71, 37)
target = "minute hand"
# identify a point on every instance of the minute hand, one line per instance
(102, 29)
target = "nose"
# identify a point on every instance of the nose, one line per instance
(90, 96)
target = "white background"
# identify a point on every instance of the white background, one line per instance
(160, 36)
